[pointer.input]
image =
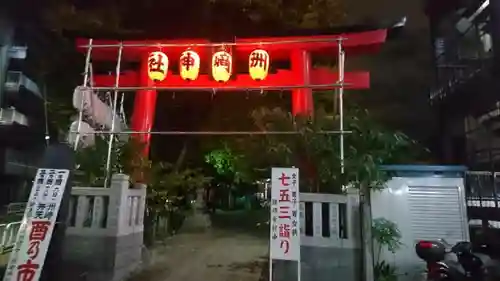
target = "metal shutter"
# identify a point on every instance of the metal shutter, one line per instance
(436, 213)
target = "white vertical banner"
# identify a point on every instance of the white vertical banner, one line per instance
(285, 223)
(33, 239)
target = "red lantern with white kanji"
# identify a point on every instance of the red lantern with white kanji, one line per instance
(189, 65)
(157, 66)
(258, 64)
(222, 66)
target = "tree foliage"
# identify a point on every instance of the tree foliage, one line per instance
(126, 157)
(293, 13)
(170, 186)
(113, 16)
(386, 235)
(229, 165)
(167, 183)
(367, 147)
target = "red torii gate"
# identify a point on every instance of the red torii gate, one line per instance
(301, 78)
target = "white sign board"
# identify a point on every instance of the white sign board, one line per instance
(284, 223)
(27, 258)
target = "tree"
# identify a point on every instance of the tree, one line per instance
(168, 185)
(109, 16)
(125, 157)
(366, 148)
(168, 191)
(229, 165)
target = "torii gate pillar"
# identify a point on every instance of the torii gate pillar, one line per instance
(144, 107)
(302, 98)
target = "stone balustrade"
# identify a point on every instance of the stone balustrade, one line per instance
(105, 229)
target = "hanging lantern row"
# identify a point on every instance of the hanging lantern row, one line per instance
(222, 65)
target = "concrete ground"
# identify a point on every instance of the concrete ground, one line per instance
(227, 252)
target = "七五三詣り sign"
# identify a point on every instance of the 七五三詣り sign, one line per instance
(284, 223)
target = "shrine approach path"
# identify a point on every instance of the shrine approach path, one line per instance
(219, 254)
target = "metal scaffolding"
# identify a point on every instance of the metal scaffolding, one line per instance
(111, 133)
(211, 45)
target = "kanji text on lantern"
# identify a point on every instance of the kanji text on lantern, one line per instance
(222, 59)
(259, 59)
(157, 66)
(156, 62)
(222, 66)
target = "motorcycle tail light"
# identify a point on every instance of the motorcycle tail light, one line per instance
(425, 244)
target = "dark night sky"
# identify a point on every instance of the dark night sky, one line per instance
(401, 73)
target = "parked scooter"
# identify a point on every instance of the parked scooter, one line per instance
(456, 263)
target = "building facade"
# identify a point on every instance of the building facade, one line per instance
(464, 89)
(465, 36)
(22, 115)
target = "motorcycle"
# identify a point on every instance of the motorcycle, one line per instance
(456, 263)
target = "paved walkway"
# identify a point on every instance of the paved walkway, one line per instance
(218, 255)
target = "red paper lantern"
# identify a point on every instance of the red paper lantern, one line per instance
(258, 64)
(157, 66)
(222, 66)
(189, 65)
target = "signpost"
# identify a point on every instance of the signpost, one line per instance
(284, 223)
(37, 254)
(33, 239)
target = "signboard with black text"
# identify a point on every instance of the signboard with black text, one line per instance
(30, 250)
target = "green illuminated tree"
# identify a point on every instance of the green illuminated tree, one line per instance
(229, 165)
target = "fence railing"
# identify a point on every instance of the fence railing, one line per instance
(113, 211)
(96, 211)
(8, 235)
(482, 191)
(329, 220)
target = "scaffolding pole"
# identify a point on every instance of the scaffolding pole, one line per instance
(341, 65)
(210, 133)
(231, 44)
(85, 83)
(113, 117)
(222, 88)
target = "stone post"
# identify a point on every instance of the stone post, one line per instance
(199, 220)
(109, 252)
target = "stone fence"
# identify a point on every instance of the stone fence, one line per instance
(105, 229)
